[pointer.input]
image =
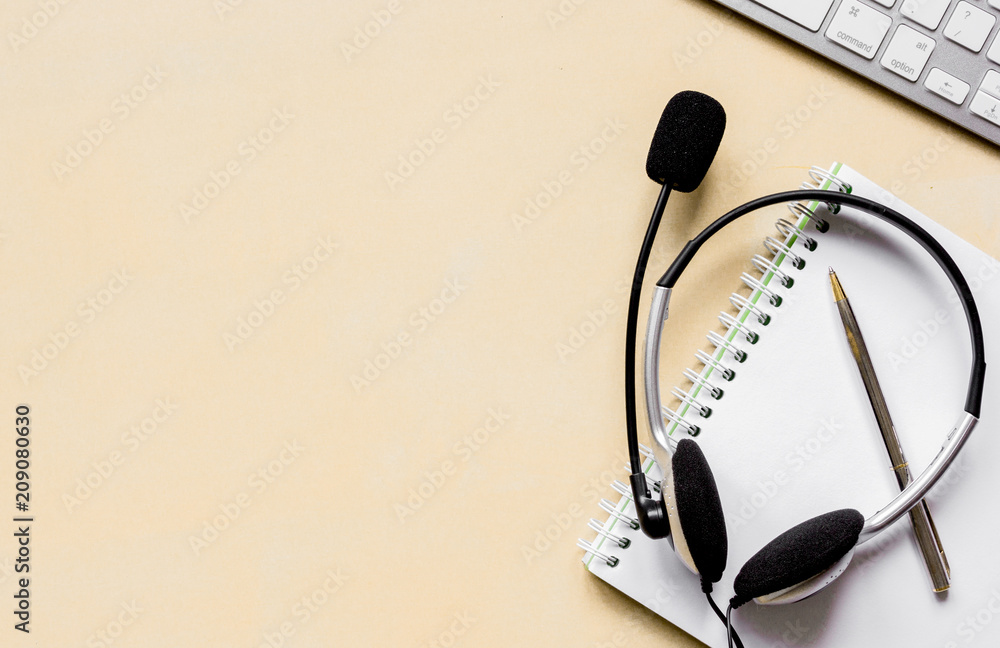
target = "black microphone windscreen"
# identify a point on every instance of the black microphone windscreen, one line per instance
(686, 140)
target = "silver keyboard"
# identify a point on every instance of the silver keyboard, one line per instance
(941, 54)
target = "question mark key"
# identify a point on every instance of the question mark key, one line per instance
(969, 26)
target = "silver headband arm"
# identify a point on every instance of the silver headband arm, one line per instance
(664, 446)
(915, 492)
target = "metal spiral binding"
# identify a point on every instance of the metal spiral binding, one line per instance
(695, 379)
(833, 207)
(758, 286)
(819, 178)
(731, 322)
(778, 248)
(689, 399)
(722, 343)
(677, 419)
(799, 210)
(709, 361)
(742, 303)
(612, 561)
(596, 526)
(763, 291)
(765, 266)
(787, 228)
(609, 507)
(622, 489)
(616, 511)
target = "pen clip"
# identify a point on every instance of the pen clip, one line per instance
(937, 539)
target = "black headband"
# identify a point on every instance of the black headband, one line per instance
(974, 395)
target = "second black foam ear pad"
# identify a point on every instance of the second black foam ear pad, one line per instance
(798, 554)
(700, 511)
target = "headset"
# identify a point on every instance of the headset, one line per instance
(808, 557)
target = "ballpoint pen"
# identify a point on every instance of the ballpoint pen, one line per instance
(920, 516)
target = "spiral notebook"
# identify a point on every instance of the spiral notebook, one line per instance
(789, 434)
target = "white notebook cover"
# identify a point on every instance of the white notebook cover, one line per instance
(794, 437)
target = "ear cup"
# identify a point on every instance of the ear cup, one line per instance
(802, 552)
(699, 511)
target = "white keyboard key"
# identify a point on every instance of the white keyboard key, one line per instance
(808, 13)
(926, 12)
(951, 88)
(993, 53)
(859, 28)
(907, 52)
(995, 4)
(969, 26)
(986, 107)
(991, 84)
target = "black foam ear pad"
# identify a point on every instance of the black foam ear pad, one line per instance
(798, 554)
(700, 511)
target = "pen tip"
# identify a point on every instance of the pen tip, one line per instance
(838, 290)
(831, 270)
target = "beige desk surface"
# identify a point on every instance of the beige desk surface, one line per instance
(203, 248)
